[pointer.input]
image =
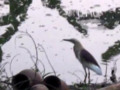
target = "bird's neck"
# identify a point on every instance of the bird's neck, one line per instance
(78, 46)
(77, 50)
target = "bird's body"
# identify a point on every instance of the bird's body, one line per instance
(86, 59)
(89, 62)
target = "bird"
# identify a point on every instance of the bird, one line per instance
(85, 58)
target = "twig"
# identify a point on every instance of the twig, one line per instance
(46, 74)
(35, 50)
(37, 59)
(28, 53)
(47, 57)
(33, 59)
(2, 66)
(26, 33)
(11, 63)
(41, 64)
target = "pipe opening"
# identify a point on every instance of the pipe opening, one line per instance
(52, 82)
(20, 82)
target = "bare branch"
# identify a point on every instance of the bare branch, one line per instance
(11, 63)
(26, 33)
(47, 57)
(28, 51)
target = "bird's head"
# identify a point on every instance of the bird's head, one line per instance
(74, 41)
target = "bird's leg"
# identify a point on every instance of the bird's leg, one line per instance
(88, 76)
(85, 75)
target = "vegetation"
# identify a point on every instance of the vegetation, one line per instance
(110, 18)
(112, 51)
(17, 9)
(3, 76)
(71, 19)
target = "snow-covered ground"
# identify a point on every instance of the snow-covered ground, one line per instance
(48, 29)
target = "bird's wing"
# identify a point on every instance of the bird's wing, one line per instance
(87, 57)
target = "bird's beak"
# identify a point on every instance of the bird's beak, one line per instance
(67, 40)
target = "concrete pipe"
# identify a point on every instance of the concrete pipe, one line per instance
(54, 83)
(26, 79)
(39, 87)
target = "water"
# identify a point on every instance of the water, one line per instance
(48, 28)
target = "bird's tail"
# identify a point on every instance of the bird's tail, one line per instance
(96, 69)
